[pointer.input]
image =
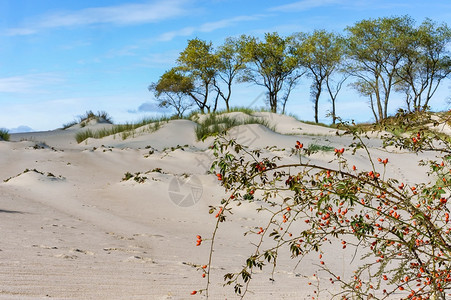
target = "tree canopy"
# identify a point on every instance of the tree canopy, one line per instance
(382, 58)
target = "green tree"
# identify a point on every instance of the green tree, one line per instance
(376, 49)
(173, 89)
(321, 53)
(426, 64)
(231, 61)
(273, 64)
(200, 63)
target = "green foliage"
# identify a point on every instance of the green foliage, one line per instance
(401, 230)
(173, 90)
(273, 64)
(375, 49)
(100, 116)
(391, 54)
(201, 64)
(215, 124)
(136, 177)
(83, 120)
(313, 148)
(68, 125)
(126, 130)
(322, 53)
(427, 63)
(231, 62)
(4, 134)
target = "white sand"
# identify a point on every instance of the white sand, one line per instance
(86, 234)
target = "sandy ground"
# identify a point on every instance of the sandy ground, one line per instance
(86, 234)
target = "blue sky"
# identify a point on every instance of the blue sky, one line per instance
(61, 58)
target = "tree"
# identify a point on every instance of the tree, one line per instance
(426, 64)
(273, 64)
(199, 62)
(376, 49)
(321, 53)
(231, 62)
(172, 90)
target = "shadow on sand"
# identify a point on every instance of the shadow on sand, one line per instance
(10, 211)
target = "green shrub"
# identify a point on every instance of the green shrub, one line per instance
(313, 148)
(4, 134)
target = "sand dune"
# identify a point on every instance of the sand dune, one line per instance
(72, 228)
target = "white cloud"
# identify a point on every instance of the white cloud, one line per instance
(30, 83)
(207, 27)
(303, 5)
(163, 59)
(120, 15)
(20, 31)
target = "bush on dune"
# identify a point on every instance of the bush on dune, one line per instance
(83, 120)
(4, 135)
(401, 230)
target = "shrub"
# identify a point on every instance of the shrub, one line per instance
(100, 116)
(4, 134)
(403, 230)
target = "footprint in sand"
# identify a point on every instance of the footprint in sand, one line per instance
(65, 256)
(82, 251)
(139, 259)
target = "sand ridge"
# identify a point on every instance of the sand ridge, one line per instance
(85, 233)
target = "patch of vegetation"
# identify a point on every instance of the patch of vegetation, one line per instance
(216, 124)
(172, 149)
(398, 227)
(319, 124)
(126, 130)
(313, 148)
(68, 125)
(139, 177)
(243, 109)
(404, 123)
(100, 116)
(136, 177)
(194, 115)
(127, 176)
(4, 134)
(83, 120)
(157, 170)
(35, 171)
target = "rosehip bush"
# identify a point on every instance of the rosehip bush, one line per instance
(401, 230)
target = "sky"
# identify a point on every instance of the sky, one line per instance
(59, 59)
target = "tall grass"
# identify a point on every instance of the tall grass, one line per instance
(215, 124)
(125, 130)
(100, 116)
(4, 134)
(313, 148)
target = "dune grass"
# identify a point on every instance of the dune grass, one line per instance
(414, 121)
(125, 130)
(100, 116)
(313, 148)
(4, 135)
(215, 124)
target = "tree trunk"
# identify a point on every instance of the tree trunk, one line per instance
(228, 97)
(372, 108)
(317, 95)
(273, 101)
(334, 118)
